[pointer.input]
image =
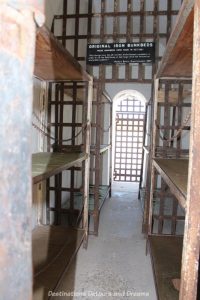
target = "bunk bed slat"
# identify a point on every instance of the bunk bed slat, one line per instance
(45, 164)
(175, 174)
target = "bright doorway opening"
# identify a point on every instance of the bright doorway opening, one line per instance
(129, 119)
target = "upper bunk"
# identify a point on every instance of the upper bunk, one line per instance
(177, 59)
(175, 173)
(53, 62)
(47, 164)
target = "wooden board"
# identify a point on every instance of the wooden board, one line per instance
(175, 174)
(166, 253)
(46, 164)
(53, 61)
(54, 248)
(177, 60)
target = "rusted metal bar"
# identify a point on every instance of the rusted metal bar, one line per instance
(57, 123)
(169, 9)
(161, 207)
(180, 110)
(144, 139)
(57, 216)
(142, 9)
(166, 116)
(97, 159)
(156, 35)
(115, 37)
(89, 29)
(173, 125)
(16, 64)
(64, 22)
(50, 87)
(120, 13)
(111, 150)
(110, 36)
(87, 161)
(73, 132)
(76, 41)
(149, 205)
(191, 243)
(49, 115)
(175, 216)
(128, 38)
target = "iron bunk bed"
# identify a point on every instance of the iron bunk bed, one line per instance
(54, 247)
(174, 256)
(101, 148)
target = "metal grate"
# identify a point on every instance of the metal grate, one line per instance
(67, 109)
(129, 140)
(120, 21)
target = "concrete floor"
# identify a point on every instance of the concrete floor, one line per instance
(115, 265)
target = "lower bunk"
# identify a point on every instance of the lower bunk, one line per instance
(94, 211)
(53, 250)
(166, 254)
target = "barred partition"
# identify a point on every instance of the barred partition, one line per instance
(95, 21)
(101, 154)
(67, 119)
(116, 21)
(171, 140)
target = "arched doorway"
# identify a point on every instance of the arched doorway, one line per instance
(129, 119)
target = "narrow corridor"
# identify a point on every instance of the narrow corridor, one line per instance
(115, 265)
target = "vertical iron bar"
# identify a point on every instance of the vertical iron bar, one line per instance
(64, 23)
(87, 161)
(76, 42)
(50, 87)
(169, 9)
(144, 139)
(115, 69)
(140, 65)
(128, 39)
(180, 111)
(111, 150)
